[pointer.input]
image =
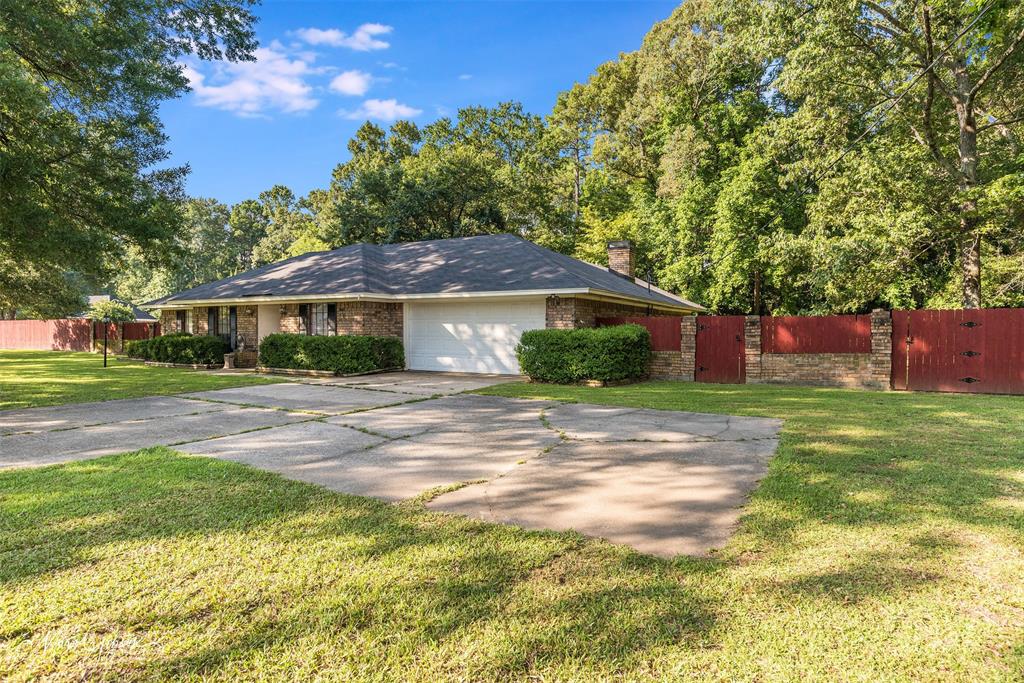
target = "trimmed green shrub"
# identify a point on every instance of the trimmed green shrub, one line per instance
(137, 348)
(179, 347)
(343, 354)
(604, 353)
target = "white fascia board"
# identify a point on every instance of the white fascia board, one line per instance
(435, 296)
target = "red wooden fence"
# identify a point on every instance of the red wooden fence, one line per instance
(665, 330)
(45, 335)
(131, 331)
(976, 351)
(134, 331)
(816, 334)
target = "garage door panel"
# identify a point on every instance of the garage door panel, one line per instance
(469, 337)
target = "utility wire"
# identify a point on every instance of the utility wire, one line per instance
(867, 131)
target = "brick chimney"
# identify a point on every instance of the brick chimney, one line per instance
(620, 257)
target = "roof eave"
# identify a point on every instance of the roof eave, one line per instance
(683, 306)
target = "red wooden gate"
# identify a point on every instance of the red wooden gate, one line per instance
(721, 356)
(978, 351)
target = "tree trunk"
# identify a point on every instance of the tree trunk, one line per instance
(970, 255)
(970, 232)
(757, 293)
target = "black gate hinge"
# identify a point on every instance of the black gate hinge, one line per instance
(970, 323)
(970, 354)
(969, 380)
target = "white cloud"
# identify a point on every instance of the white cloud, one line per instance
(383, 110)
(351, 83)
(465, 77)
(362, 40)
(273, 81)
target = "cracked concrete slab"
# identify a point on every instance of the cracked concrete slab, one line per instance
(283, 448)
(418, 383)
(604, 423)
(402, 469)
(46, 448)
(463, 413)
(329, 400)
(665, 482)
(665, 499)
(349, 461)
(82, 414)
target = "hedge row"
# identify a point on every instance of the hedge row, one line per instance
(179, 347)
(604, 353)
(343, 354)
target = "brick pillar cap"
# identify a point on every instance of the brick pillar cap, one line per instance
(620, 244)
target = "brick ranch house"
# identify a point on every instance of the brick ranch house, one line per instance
(458, 304)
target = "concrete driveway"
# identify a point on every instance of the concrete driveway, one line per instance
(663, 482)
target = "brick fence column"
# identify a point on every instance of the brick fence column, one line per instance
(688, 346)
(752, 347)
(881, 348)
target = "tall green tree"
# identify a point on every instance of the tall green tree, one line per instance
(81, 142)
(946, 75)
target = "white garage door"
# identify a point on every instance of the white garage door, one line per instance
(468, 337)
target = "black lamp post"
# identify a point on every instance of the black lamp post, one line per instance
(106, 328)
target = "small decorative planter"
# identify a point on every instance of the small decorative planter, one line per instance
(229, 361)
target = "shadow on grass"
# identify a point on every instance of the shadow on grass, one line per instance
(304, 563)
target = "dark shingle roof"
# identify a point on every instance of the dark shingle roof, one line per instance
(486, 263)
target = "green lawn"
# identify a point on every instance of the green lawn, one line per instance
(886, 543)
(44, 378)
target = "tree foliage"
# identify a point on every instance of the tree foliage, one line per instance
(81, 144)
(111, 311)
(768, 157)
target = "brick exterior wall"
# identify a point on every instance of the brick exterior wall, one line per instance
(752, 348)
(378, 318)
(569, 312)
(667, 365)
(862, 370)
(354, 317)
(168, 319)
(881, 348)
(688, 346)
(817, 369)
(200, 320)
(245, 326)
(677, 365)
(564, 313)
(290, 322)
(620, 257)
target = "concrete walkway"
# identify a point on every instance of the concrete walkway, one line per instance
(664, 482)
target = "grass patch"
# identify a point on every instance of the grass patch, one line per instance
(45, 378)
(885, 543)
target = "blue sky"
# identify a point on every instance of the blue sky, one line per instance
(325, 67)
